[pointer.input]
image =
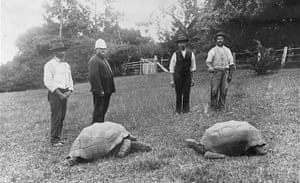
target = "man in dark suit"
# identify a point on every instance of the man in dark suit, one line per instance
(182, 66)
(101, 80)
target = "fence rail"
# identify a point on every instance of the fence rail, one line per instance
(289, 57)
(146, 66)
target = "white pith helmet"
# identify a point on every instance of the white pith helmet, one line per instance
(100, 43)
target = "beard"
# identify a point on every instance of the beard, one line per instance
(101, 55)
(182, 47)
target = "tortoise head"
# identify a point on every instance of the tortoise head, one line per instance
(138, 146)
(201, 149)
(198, 147)
(257, 150)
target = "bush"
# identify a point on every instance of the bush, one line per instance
(78, 56)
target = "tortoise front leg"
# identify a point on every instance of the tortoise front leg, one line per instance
(71, 161)
(297, 179)
(214, 155)
(124, 149)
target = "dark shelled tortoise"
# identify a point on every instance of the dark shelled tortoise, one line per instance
(232, 138)
(104, 139)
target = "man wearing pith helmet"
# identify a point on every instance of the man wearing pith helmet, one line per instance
(101, 80)
(220, 65)
(182, 66)
(58, 80)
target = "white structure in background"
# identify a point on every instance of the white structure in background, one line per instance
(149, 67)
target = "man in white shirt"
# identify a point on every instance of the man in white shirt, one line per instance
(220, 64)
(58, 80)
(182, 66)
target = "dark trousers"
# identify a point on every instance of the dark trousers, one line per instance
(58, 109)
(101, 104)
(219, 87)
(182, 89)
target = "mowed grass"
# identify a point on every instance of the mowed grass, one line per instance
(145, 106)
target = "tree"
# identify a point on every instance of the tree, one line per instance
(80, 30)
(76, 18)
(185, 16)
(248, 20)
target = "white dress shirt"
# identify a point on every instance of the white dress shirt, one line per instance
(173, 61)
(57, 74)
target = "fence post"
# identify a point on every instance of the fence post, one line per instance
(285, 49)
(141, 66)
(234, 59)
(155, 60)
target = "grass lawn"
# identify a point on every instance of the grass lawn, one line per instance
(145, 106)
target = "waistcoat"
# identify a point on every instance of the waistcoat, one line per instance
(183, 65)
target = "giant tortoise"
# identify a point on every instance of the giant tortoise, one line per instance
(230, 138)
(104, 139)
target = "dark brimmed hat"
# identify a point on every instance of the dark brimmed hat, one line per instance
(182, 39)
(58, 46)
(220, 34)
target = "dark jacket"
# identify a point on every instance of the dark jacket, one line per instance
(100, 76)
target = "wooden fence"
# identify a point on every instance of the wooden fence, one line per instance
(146, 66)
(289, 57)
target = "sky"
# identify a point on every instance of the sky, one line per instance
(19, 15)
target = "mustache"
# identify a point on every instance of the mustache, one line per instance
(60, 55)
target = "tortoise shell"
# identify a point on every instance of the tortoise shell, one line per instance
(231, 138)
(98, 140)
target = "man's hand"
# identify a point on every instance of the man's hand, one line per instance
(229, 78)
(211, 70)
(192, 83)
(101, 94)
(60, 94)
(67, 94)
(172, 84)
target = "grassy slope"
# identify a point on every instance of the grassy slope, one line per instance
(145, 106)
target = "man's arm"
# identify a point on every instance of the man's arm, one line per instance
(172, 68)
(70, 82)
(48, 77)
(193, 68)
(209, 60)
(230, 57)
(193, 63)
(94, 78)
(231, 65)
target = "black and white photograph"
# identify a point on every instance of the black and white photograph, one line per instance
(150, 91)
